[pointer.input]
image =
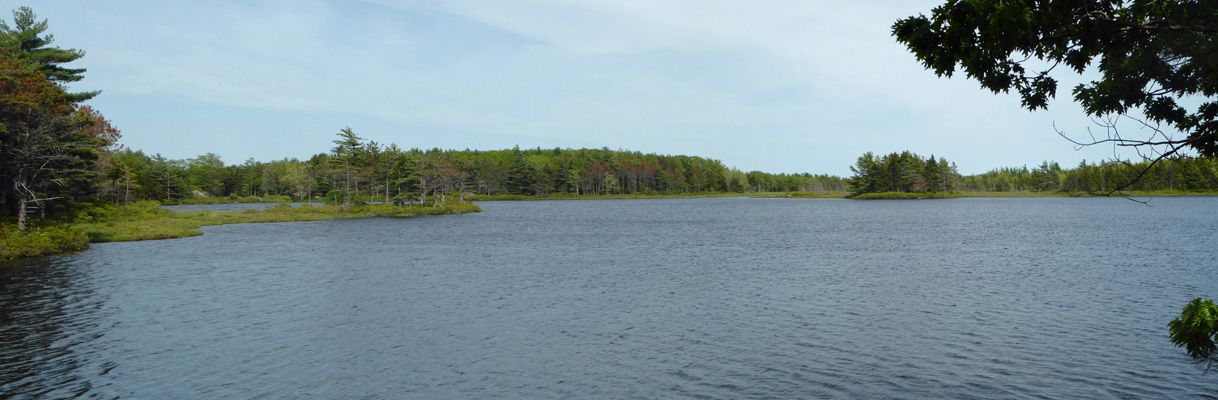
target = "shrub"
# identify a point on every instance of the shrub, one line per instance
(40, 241)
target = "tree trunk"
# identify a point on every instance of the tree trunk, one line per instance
(127, 192)
(21, 202)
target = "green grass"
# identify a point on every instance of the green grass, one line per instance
(1151, 193)
(798, 195)
(39, 241)
(902, 196)
(1167, 193)
(569, 196)
(236, 199)
(955, 195)
(147, 220)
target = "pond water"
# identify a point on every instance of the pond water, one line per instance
(676, 298)
(233, 206)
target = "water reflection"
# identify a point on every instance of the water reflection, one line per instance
(48, 310)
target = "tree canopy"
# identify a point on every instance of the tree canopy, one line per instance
(1154, 57)
(49, 143)
(1196, 330)
(27, 43)
(903, 172)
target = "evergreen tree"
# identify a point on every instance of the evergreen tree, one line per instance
(864, 179)
(520, 176)
(348, 144)
(406, 171)
(47, 150)
(932, 174)
(25, 38)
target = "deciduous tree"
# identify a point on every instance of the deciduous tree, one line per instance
(1153, 56)
(1196, 330)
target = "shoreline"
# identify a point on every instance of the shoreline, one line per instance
(147, 220)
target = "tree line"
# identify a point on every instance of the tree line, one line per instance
(1168, 174)
(907, 172)
(356, 169)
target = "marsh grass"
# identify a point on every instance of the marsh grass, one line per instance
(902, 196)
(568, 196)
(956, 195)
(236, 199)
(798, 195)
(40, 241)
(149, 221)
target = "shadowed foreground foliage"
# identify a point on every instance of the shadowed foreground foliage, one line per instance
(1196, 330)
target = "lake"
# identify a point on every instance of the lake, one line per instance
(716, 298)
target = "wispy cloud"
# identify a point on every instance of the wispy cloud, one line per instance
(781, 86)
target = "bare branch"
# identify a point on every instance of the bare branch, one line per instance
(1154, 149)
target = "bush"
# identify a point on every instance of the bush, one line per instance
(40, 241)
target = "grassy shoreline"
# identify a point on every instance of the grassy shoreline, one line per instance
(568, 196)
(840, 195)
(759, 195)
(966, 195)
(149, 221)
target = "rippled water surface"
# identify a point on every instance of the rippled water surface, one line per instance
(692, 298)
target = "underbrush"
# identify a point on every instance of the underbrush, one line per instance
(40, 241)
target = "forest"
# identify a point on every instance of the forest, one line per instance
(1172, 174)
(908, 172)
(388, 173)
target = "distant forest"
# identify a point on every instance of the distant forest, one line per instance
(376, 172)
(907, 172)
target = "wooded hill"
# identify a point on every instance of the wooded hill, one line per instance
(387, 173)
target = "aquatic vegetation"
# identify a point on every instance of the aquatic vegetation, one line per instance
(147, 220)
(142, 221)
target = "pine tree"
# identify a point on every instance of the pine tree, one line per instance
(45, 151)
(26, 39)
(520, 176)
(348, 144)
(932, 174)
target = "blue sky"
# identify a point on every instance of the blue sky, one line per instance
(775, 86)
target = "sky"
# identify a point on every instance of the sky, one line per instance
(774, 86)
